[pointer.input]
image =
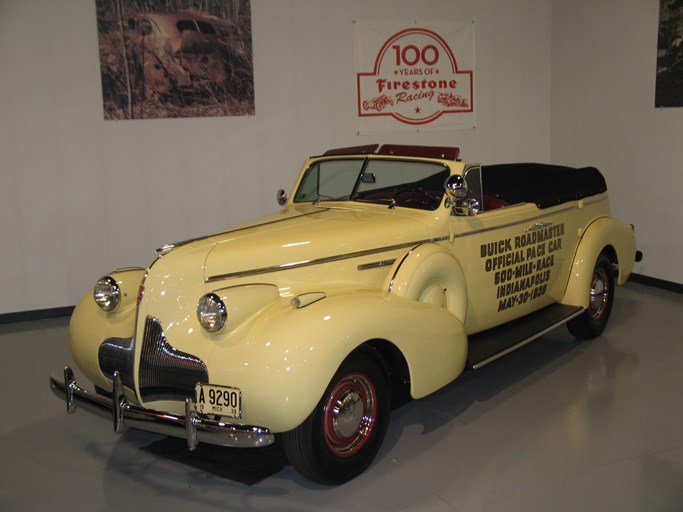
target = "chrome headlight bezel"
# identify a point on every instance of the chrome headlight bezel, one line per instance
(212, 313)
(107, 294)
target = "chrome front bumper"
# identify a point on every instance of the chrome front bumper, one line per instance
(194, 427)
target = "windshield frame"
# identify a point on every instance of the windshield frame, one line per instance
(392, 182)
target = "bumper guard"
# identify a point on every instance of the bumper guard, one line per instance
(194, 427)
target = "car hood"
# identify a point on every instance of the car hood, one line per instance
(308, 235)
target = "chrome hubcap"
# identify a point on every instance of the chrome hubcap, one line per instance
(350, 414)
(599, 293)
(347, 414)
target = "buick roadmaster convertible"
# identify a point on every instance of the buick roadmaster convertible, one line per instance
(388, 272)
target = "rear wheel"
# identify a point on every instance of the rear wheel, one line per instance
(592, 322)
(341, 437)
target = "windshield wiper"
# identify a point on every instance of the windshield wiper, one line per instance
(390, 201)
(321, 197)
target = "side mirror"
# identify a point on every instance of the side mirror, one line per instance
(281, 197)
(456, 192)
(456, 188)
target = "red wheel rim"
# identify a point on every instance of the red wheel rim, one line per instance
(350, 414)
(600, 294)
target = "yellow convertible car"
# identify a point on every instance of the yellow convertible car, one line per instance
(389, 271)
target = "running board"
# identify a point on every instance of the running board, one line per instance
(487, 346)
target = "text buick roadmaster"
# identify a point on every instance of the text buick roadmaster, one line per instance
(390, 269)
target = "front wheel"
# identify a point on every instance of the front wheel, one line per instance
(593, 321)
(341, 437)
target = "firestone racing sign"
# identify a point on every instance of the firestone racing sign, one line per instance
(414, 78)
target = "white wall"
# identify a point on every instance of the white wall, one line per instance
(603, 89)
(80, 196)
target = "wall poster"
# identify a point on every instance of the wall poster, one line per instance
(669, 88)
(175, 58)
(414, 76)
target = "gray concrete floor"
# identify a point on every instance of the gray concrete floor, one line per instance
(558, 425)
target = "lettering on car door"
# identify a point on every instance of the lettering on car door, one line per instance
(516, 259)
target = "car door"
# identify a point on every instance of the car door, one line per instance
(516, 257)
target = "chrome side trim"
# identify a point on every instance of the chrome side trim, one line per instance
(510, 224)
(319, 261)
(376, 264)
(405, 256)
(193, 426)
(536, 226)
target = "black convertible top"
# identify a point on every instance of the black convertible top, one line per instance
(543, 184)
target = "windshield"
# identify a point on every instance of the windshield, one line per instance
(395, 183)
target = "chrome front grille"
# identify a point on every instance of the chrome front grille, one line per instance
(165, 372)
(118, 354)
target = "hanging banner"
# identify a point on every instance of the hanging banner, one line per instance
(414, 77)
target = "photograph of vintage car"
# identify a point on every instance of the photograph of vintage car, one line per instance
(669, 80)
(172, 62)
(388, 271)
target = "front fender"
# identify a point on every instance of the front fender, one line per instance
(603, 233)
(288, 355)
(89, 325)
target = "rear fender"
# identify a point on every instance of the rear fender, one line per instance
(603, 234)
(429, 273)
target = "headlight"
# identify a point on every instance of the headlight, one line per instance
(107, 294)
(211, 312)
